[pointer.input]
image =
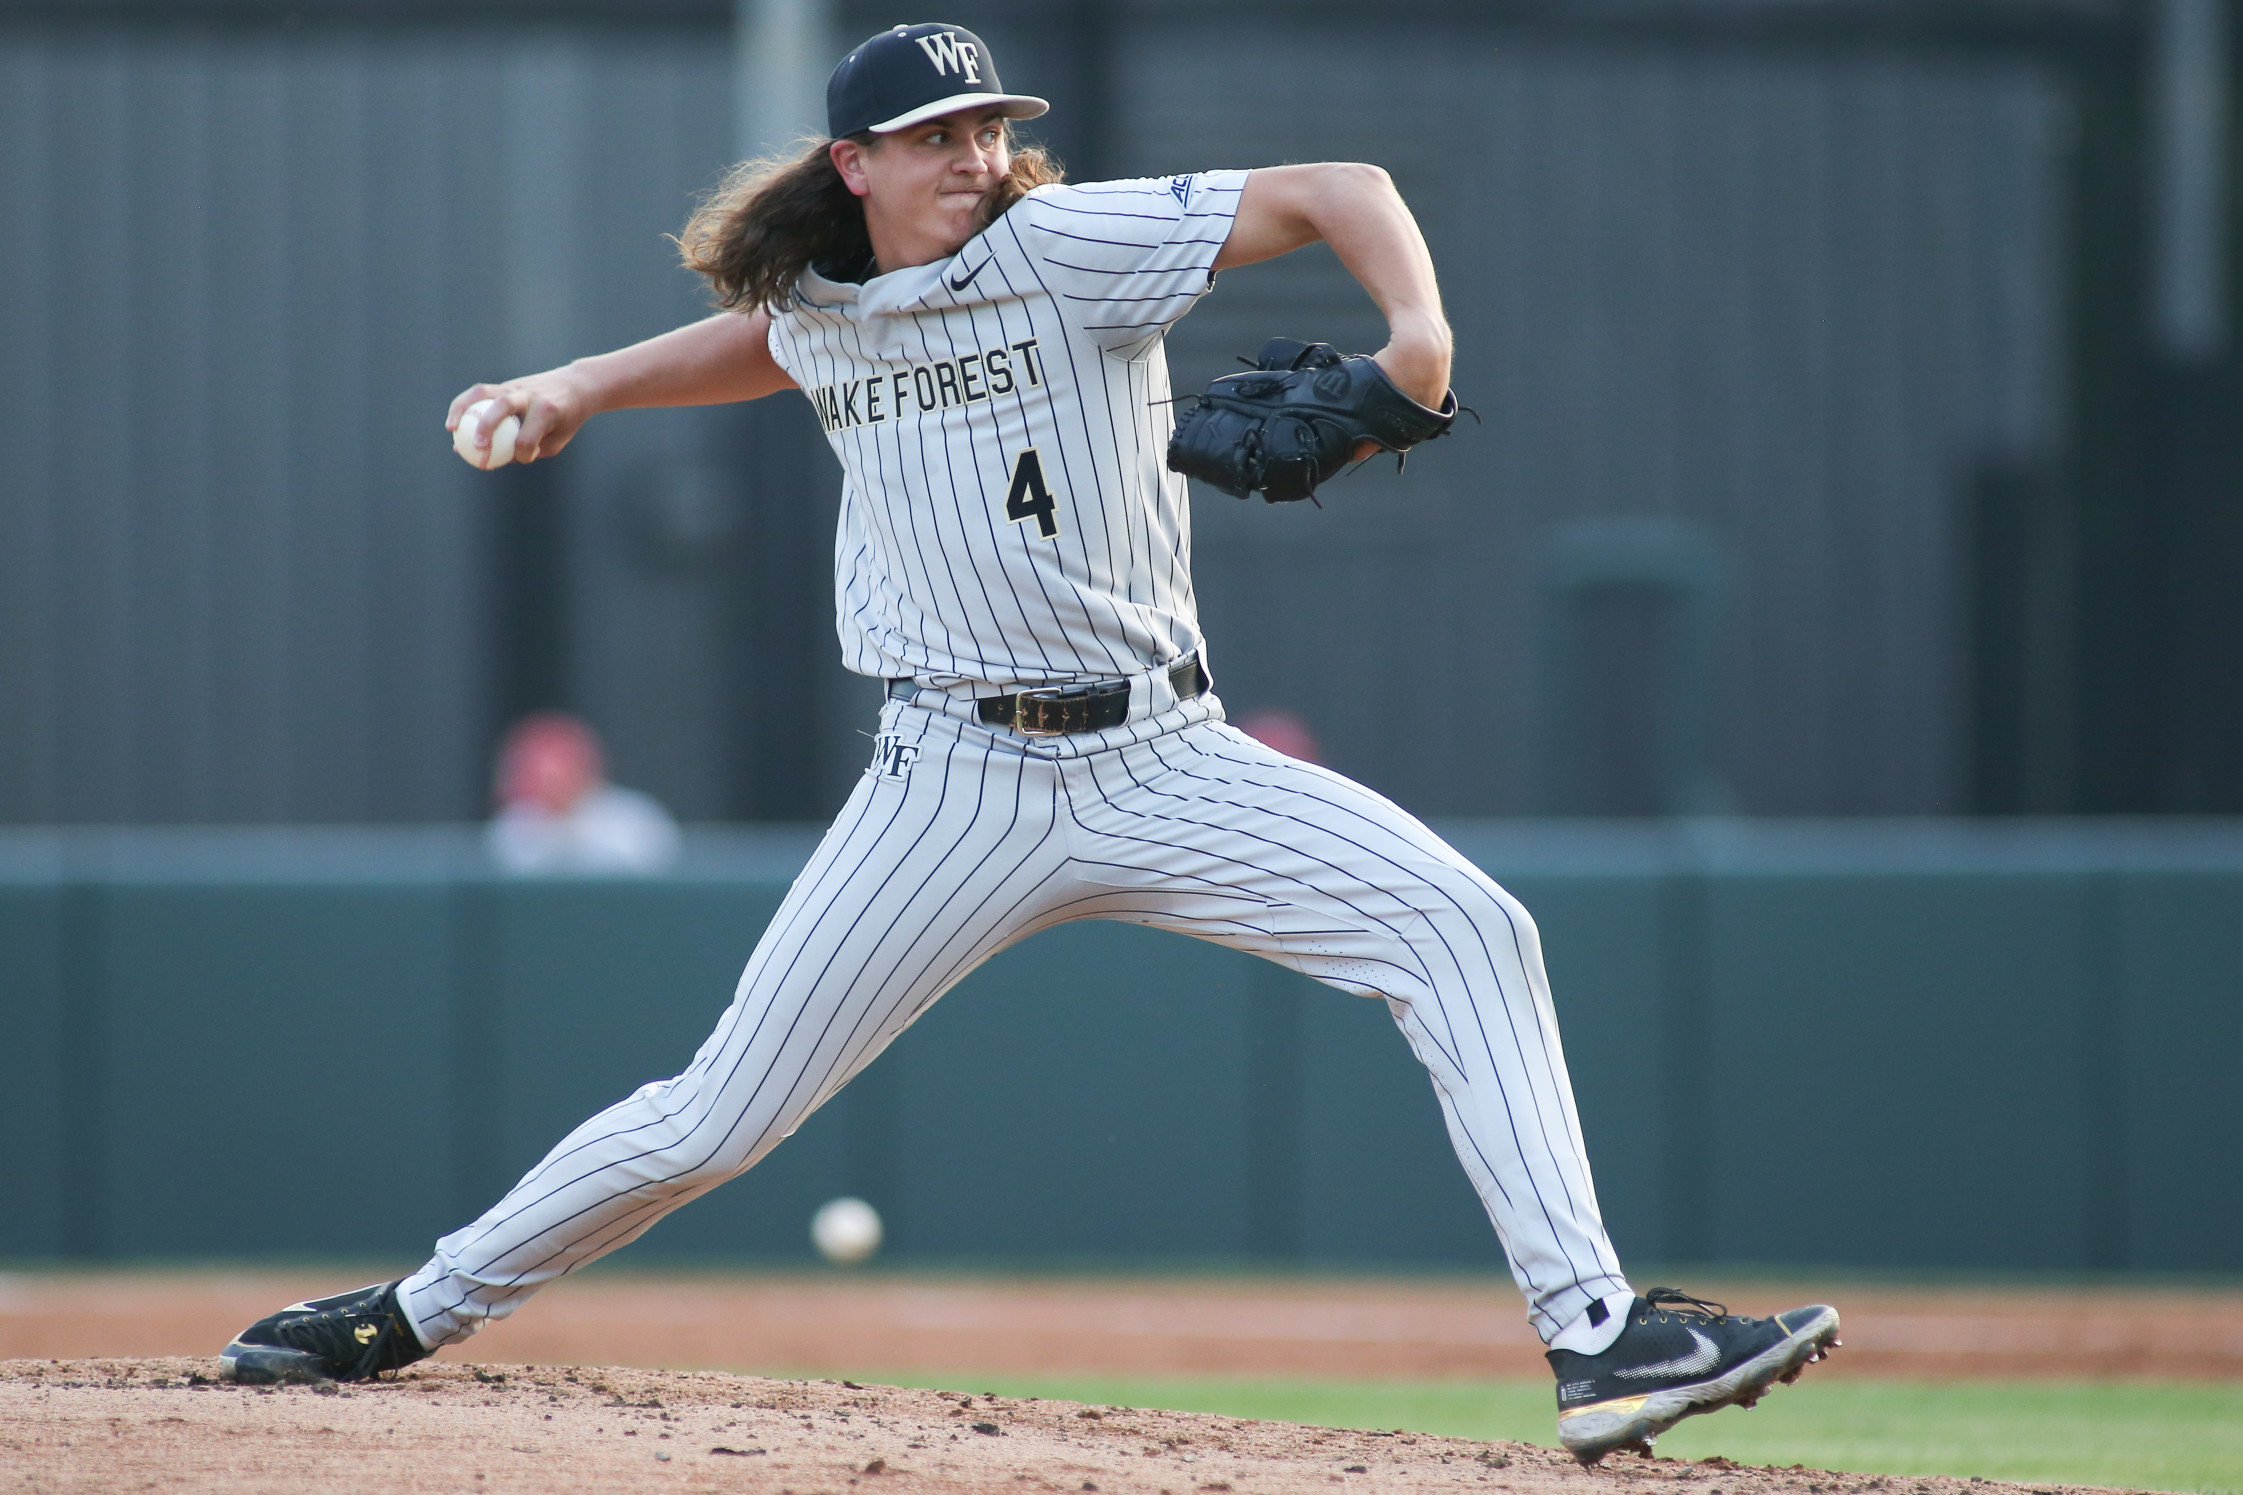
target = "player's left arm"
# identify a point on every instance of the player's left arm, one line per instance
(1355, 209)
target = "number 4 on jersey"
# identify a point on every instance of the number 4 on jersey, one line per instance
(1030, 497)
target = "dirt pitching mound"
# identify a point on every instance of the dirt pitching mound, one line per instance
(117, 1425)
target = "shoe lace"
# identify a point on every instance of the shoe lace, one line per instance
(1673, 1300)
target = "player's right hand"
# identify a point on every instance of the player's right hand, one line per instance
(549, 405)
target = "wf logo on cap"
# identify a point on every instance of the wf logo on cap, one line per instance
(908, 74)
(950, 55)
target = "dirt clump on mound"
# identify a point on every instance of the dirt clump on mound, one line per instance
(169, 1424)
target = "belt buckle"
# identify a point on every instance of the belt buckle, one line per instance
(1053, 695)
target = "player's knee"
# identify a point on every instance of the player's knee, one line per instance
(1514, 913)
(710, 1171)
(690, 1169)
(697, 1143)
(1493, 912)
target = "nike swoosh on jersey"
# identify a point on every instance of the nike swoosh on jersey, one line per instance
(963, 281)
(1705, 1357)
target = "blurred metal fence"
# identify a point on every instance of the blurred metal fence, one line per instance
(1800, 299)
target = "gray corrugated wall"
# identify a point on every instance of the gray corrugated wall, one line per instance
(239, 580)
(240, 277)
(1797, 298)
(1793, 298)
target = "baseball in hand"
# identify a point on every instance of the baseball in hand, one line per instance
(845, 1230)
(502, 437)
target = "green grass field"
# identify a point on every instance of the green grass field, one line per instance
(2127, 1434)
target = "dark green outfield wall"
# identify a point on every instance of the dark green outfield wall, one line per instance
(1891, 1044)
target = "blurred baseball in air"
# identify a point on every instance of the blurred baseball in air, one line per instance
(502, 438)
(845, 1230)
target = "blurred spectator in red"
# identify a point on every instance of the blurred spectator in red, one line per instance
(1281, 730)
(558, 813)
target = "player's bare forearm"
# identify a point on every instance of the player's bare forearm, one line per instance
(717, 360)
(1355, 209)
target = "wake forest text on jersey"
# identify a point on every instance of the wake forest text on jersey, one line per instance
(917, 388)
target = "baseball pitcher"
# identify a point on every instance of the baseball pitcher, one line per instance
(982, 343)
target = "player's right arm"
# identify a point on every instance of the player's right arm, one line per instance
(717, 360)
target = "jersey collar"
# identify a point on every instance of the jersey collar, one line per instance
(903, 290)
(821, 293)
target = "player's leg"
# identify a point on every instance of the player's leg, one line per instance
(1215, 835)
(928, 871)
(1232, 841)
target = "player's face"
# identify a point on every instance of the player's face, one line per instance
(924, 188)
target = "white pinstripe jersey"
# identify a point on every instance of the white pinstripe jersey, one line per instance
(1002, 421)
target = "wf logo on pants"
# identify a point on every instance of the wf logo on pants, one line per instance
(892, 757)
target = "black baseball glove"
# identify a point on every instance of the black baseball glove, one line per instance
(1296, 421)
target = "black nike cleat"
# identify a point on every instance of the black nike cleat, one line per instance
(348, 1337)
(1678, 1357)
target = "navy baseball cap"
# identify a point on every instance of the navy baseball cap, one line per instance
(911, 73)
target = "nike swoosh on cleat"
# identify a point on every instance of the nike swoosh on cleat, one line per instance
(1705, 1357)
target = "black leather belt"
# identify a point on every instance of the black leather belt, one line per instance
(1060, 709)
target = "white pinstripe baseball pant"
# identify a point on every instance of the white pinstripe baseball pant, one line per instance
(976, 840)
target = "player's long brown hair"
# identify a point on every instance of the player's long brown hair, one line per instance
(773, 218)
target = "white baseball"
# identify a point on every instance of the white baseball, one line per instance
(845, 1230)
(501, 449)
